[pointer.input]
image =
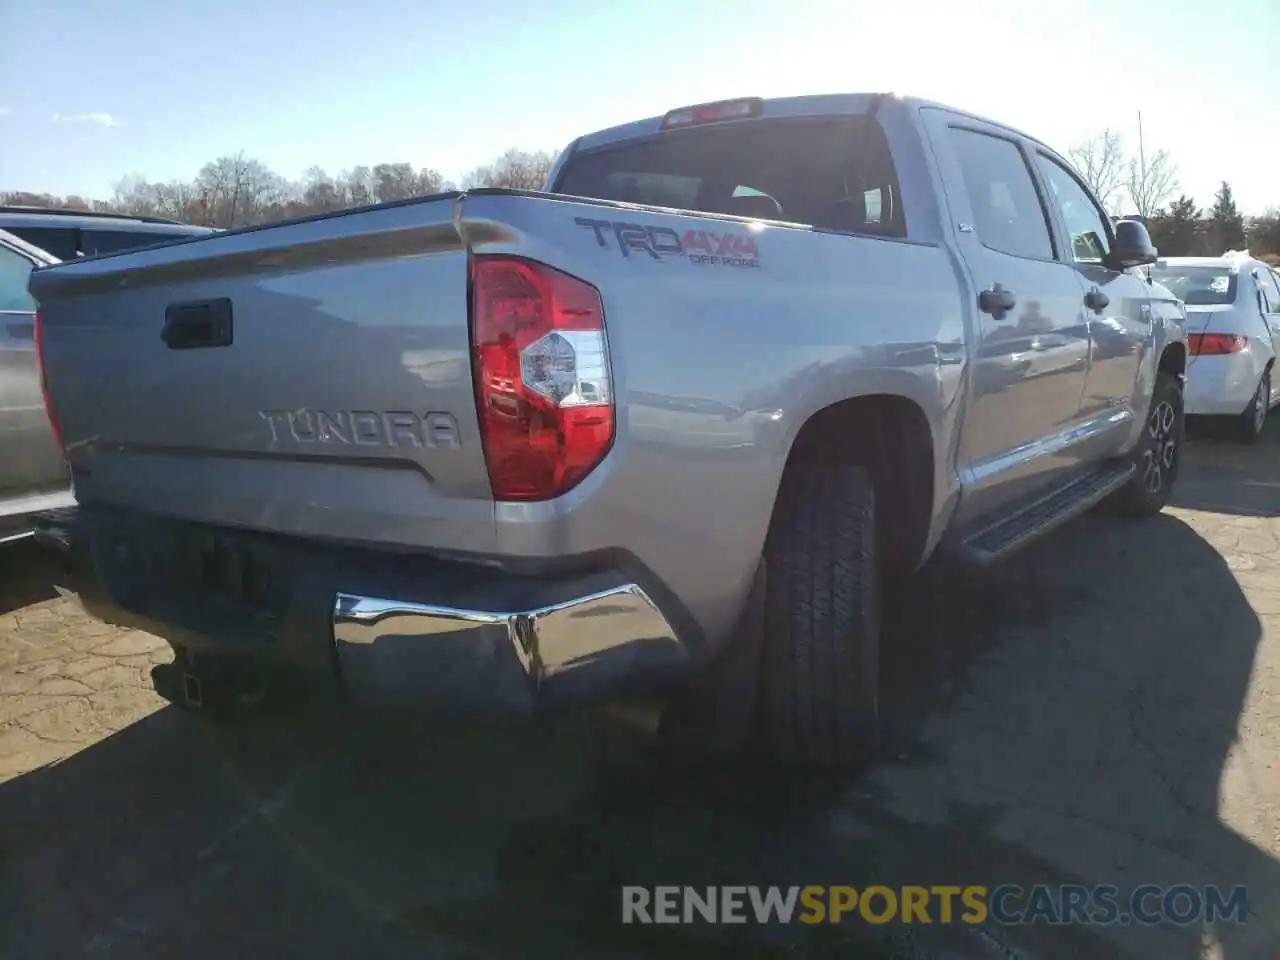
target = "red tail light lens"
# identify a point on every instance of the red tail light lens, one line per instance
(44, 379)
(544, 389)
(1215, 344)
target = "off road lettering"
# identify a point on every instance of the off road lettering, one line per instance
(699, 247)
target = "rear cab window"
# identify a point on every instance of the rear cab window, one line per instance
(117, 241)
(1198, 286)
(834, 173)
(62, 242)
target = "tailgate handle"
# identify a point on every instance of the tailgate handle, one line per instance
(193, 325)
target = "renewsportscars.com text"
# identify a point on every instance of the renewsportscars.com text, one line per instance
(1008, 904)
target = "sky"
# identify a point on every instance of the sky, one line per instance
(93, 90)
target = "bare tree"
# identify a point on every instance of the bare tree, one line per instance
(321, 193)
(1152, 181)
(517, 169)
(1100, 161)
(237, 190)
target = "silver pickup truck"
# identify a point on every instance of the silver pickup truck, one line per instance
(664, 428)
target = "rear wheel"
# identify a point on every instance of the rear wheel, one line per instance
(1254, 418)
(820, 662)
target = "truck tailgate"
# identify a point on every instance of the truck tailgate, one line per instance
(312, 378)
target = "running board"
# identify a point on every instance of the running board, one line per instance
(1012, 533)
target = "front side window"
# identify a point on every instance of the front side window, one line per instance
(15, 271)
(1085, 223)
(1006, 207)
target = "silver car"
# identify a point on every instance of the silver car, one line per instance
(1233, 329)
(33, 475)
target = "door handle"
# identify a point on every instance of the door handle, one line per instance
(996, 300)
(1096, 300)
(198, 324)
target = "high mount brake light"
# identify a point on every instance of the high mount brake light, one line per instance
(721, 110)
(1215, 344)
(44, 379)
(544, 388)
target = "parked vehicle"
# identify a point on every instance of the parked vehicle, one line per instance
(666, 427)
(67, 234)
(33, 475)
(1233, 330)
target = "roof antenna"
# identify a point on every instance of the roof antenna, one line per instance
(1142, 165)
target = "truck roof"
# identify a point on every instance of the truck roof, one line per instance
(802, 106)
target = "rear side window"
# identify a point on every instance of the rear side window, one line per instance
(1267, 281)
(62, 242)
(1008, 215)
(835, 173)
(15, 271)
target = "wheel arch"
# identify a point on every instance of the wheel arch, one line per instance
(892, 436)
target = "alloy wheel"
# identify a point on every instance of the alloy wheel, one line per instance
(1161, 455)
(1261, 401)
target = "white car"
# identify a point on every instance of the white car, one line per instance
(1233, 335)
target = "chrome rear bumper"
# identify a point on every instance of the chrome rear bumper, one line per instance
(583, 649)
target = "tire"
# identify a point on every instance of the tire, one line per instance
(820, 662)
(1251, 423)
(1158, 455)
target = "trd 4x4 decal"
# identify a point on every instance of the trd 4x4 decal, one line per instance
(702, 247)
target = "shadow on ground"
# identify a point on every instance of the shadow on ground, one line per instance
(1230, 477)
(27, 574)
(1066, 720)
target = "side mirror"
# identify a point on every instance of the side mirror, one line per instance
(1133, 246)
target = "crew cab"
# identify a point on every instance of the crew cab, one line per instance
(664, 428)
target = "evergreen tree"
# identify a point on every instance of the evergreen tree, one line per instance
(1176, 231)
(1264, 233)
(1226, 223)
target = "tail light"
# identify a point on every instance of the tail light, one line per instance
(544, 390)
(44, 380)
(1215, 344)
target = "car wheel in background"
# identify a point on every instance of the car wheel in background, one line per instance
(1254, 418)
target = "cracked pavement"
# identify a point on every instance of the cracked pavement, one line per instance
(1101, 710)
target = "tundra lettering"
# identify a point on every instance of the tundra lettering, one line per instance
(367, 428)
